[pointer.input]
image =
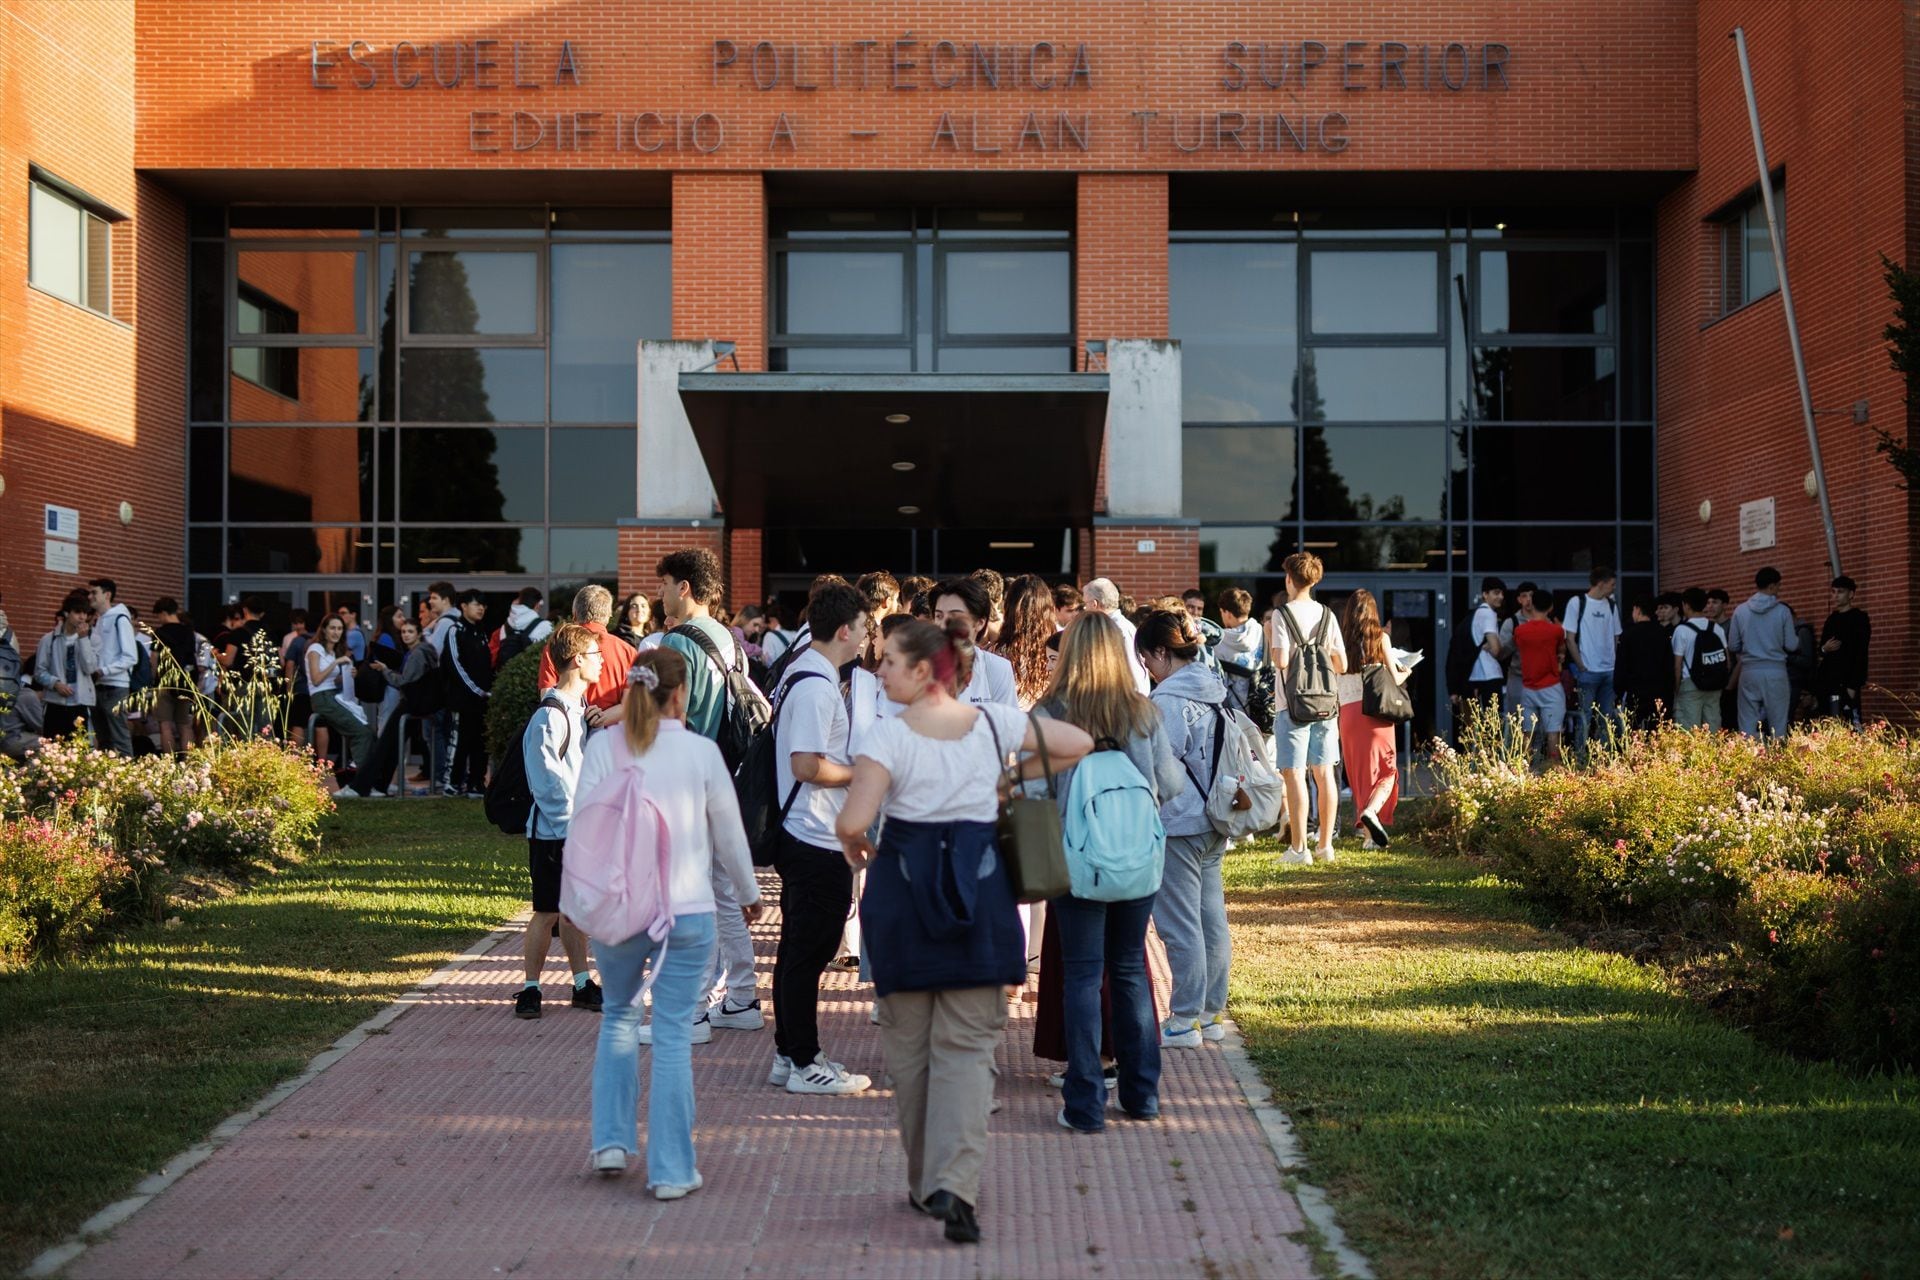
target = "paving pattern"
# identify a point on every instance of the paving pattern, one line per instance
(456, 1145)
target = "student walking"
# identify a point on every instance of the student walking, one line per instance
(1761, 636)
(1190, 911)
(1102, 944)
(64, 666)
(1367, 742)
(1702, 666)
(941, 959)
(117, 647)
(1593, 632)
(689, 783)
(1845, 640)
(1303, 626)
(813, 765)
(328, 666)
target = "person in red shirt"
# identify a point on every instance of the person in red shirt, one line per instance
(606, 695)
(1541, 642)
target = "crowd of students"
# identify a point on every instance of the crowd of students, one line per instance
(898, 723)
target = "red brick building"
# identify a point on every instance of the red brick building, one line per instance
(318, 302)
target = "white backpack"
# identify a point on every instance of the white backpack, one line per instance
(1246, 794)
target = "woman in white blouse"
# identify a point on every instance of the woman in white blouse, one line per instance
(686, 777)
(330, 682)
(938, 911)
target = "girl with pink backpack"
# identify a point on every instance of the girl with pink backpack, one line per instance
(655, 812)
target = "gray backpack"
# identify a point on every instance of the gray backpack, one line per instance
(1311, 689)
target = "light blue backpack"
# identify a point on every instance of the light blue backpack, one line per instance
(1116, 847)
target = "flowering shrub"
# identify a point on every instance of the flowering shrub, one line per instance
(1804, 854)
(55, 880)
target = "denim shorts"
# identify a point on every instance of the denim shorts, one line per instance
(1304, 746)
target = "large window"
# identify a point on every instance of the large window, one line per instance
(403, 394)
(1746, 250)
(70, 245)
(905, 290)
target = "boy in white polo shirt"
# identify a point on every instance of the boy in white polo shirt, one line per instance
(813, 763)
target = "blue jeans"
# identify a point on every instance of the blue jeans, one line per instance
(1113, 936)
(1593, 691)
(616, 1063)
(440, 744)
(1190, 912)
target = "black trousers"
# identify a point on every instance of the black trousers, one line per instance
(470, 752)
(816, 888)
(377, 772)
(62, 720)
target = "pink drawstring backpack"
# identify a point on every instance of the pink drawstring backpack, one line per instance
(615, 876)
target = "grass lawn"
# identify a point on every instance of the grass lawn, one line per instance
(112, 1063)
(1483, 1099)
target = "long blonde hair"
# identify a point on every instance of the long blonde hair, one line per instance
(1093, 682)
(646, 705)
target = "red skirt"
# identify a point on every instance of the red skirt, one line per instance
(1366, 749)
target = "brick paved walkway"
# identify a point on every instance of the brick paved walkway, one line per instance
(456, 1145)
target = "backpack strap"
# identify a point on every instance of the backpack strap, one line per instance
(783, 689)
(1219, 740)
(712, 650)
(550, 699)
(1294, 633)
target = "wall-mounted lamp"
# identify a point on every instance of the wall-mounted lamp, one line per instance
(1706, 510)
(126, 513)
(1811, 484)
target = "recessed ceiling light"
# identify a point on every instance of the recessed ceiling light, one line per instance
(1499, 226)
(905, 466)
(909, 510)
(899, 419)
(1010, 546)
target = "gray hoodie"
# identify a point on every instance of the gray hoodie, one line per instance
(1190, 701)
(1760, 632)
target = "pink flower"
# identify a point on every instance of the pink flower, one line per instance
(1773, 935)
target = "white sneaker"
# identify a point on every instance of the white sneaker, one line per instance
(610, 1162)
(665, 1192)
(873, 1013)
(1376, 830)
(1174, 1035)
(822, 1076)
(702, 1031)
(1326, 855)
(1296, 858)
(1213, 1026)
(746, 1019)
(782, 1070)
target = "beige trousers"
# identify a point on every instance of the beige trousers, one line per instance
(940, 1047)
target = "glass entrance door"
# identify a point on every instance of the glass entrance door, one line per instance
(1410, 610)
(499, 595)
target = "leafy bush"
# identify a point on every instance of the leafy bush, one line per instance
(55, 880)
(515, 695)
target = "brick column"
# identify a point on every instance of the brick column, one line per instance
(644, 542)
(746, 581)
(1169, 568)
(720, 261)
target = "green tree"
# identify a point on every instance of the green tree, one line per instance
(1903, 342)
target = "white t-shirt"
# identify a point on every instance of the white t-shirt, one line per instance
(868, 703)
(1141, 680)
(935, 780)
(1485, 623)
(812, 718)
(318, 660)
(1595, 626)
(992, 681)
(1683, 637)
(1307, 614)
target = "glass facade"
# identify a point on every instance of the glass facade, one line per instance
(1449, 393)
(402, 395)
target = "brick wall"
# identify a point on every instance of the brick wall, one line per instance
(1170, 568)
(1731, 429)
(719, 262)
(643, 546)
(746, 578)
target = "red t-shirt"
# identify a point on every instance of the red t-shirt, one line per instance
(616, 660)
(1539, 646)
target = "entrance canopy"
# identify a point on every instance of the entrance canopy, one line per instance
(938, 450)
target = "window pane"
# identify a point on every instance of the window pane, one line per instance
(594, 475)
(473, 384)
(1402, 548)
(299, 550)
(300, 384)
(589, 553)
(989, 292)
(305, 291)
(1636, 473)
(207, 331)
(606, 297)
(1543, 473)
(1757, 275)
(455, 551)
(300, 474)
(1233, 308)
(1636, 332)
(844, 359)
(1238, 473)
(460, 293)
(842, 293)
(1375, 291)
(1535, 549)
(1010, 551)
(1374, 384)
(479, 476)
(206, 473)
(1375, 473)
(491, 224)
(1552, 291)
(99, 265)
(1636, 547)
(1244, 549)
(814, 551)
(1544, 384)
(1006, 359)
(54, 244)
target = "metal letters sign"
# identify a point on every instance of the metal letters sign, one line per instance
(952, 69)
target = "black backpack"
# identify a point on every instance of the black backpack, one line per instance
(757, 783)
(1709, 668)
(509, 796)
(513, 643)
(427, 695)
(778, 671)
(1312, 689)
(744, 713)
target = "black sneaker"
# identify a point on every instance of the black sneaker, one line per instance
(587, 997)
(527, 1003)
(962, 1226)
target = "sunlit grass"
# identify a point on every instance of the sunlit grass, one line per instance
(1484, 1099)
(110, 1064)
